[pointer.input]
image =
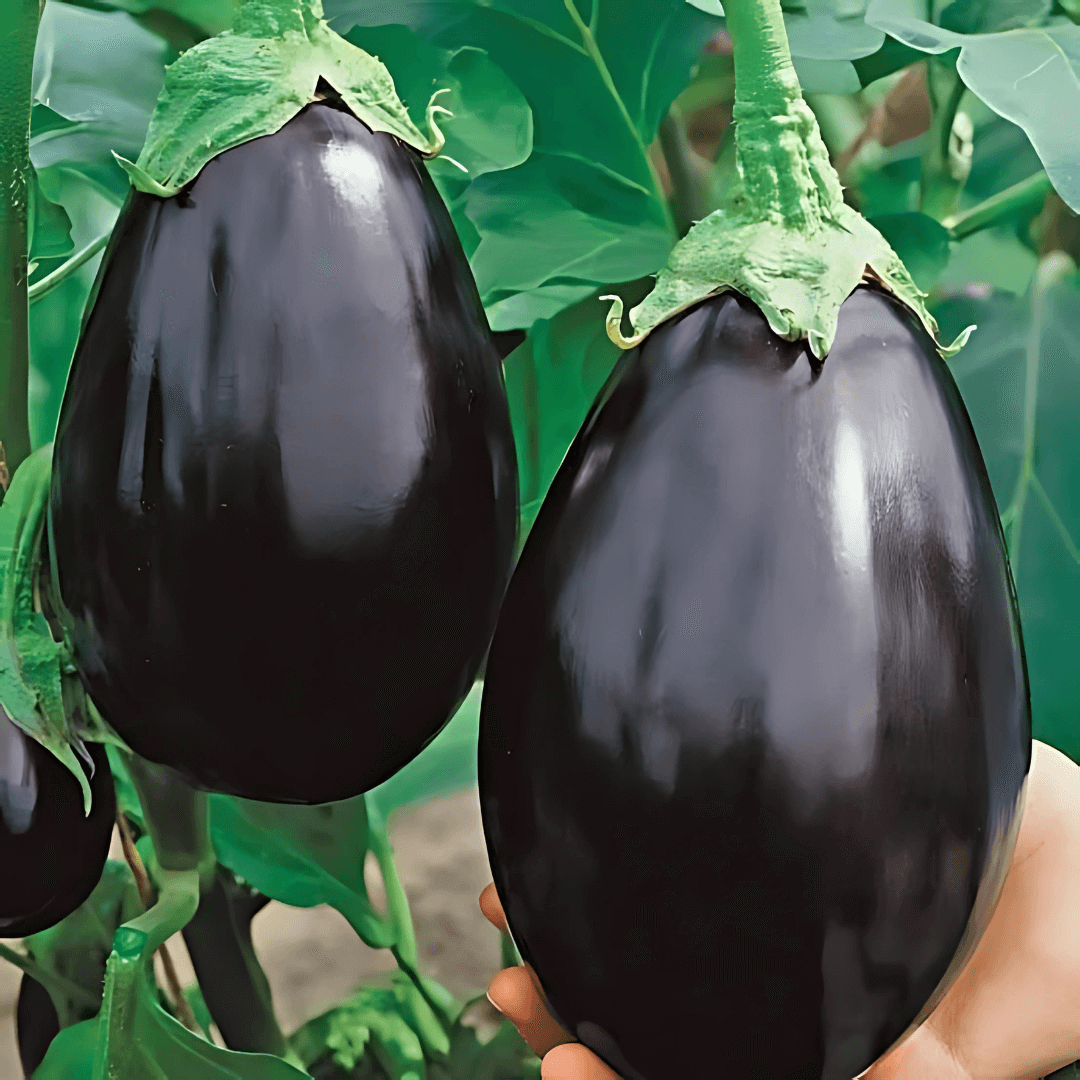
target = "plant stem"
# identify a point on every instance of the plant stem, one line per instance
(18, 35)
(1016, 201)
(783, 164)
(66, 269)
(944, 172)
(233, 983)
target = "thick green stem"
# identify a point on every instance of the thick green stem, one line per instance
(783, 164)
(1016, 201)
(18, 34)
(947, 161)
(118, 1051)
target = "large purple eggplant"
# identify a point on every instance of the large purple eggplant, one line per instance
(284, 500)
(755, 727)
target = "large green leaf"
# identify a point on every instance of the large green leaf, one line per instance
(586, 209)
(1021, 383)
(491, 126)
(99, 73)
(920, 241)
(1030, 76)
(204, 17)
(301, 855)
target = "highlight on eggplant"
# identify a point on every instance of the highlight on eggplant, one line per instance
(755, 726)
(51, 850)
(284, 497)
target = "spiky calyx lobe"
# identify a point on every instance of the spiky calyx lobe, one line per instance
(786, 239)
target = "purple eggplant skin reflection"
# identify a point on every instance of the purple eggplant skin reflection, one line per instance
(51, 852)
(284, 495)
(755, 721)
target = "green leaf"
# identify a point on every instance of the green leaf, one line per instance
(491, 124)
(993, 375)
(98, 75)
(568, 225)
(49, 226)
(586, 209)
(921, 242)
(71, 1054)
(552, 381)
(826, 76)
(993, 258)
(1017, 73)
(32, 662)
(205, 16)
(374, 1021)
(446, 764)
(252, 80)
(986, 16)
(822, 36)
(301, 855)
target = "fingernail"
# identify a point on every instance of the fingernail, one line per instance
(495, 1005)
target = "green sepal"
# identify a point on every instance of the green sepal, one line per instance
(251, 80)
(786, 239)
(33, 664)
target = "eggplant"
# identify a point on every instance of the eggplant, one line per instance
(755, 726)
(36, 1024)
(52, 852)
(284, 499)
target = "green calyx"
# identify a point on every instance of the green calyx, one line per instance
(251, 80)
(34, 666)
(786, 239)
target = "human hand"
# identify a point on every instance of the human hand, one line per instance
(1013, 1013)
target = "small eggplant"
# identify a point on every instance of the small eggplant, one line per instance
(284, 497)
(51, 851)
(755, 727)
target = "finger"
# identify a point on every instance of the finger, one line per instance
(572, 1061)
(491, 906)
(515, 995)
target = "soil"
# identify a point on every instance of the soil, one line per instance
(312, 957)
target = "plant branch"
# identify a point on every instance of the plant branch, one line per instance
(18, 35)
(66, 269)
(1015, 201)
(944, 170)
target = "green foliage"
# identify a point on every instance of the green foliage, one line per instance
(1016, 71)
(1020, 377)
(302, 855)
(920, 241)
(370, 1036)
(586, 208)
(33, 664)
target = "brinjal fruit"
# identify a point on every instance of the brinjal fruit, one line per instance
(284, 496)
(36, 1024)
(755, 724)
(51, 851)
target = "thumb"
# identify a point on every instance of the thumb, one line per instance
(572, 1061)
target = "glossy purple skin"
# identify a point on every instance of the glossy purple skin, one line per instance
(285, 500)
(755, 720)
(52, 854)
